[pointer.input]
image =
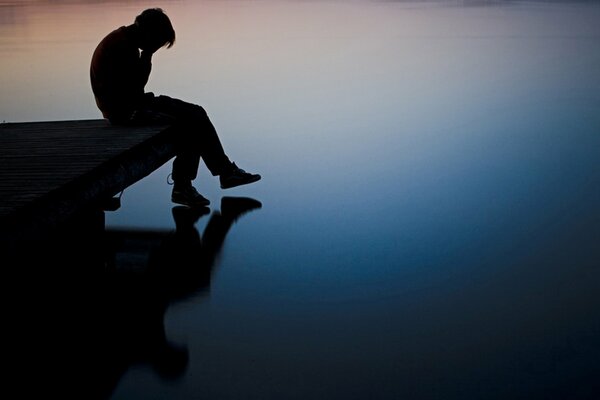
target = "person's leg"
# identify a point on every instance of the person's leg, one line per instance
(196, 137)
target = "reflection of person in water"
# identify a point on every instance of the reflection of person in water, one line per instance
(179, 267)
(183, 263)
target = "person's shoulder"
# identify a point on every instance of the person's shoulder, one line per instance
(117, 40)
(117, 34)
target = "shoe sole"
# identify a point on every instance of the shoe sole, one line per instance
(241, 183)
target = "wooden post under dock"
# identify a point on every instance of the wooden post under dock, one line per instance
(52, 171)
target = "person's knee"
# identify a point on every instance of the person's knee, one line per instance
(180, 106)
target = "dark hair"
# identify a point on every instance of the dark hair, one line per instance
(156, 22)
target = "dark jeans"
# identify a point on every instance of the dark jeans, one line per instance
(194, 134)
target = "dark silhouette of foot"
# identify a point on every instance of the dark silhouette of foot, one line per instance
(237, 177)
(186, 217)
(188, 196)
(234, 207)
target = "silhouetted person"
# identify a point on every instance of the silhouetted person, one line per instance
(119, 73)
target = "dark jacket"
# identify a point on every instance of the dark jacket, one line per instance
(119, 73)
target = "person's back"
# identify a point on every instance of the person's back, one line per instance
(118, 74)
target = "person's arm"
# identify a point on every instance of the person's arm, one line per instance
(145, 68)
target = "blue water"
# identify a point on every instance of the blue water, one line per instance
(430, 196)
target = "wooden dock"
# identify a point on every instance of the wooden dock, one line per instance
(51, 171)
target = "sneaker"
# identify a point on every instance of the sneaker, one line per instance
(237, 177)
(188, 196)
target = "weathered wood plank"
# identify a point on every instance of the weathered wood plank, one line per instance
(52, 170)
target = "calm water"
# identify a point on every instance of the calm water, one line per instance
(430, 218)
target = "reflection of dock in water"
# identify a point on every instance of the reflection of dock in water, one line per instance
(131, 248)
(53, 171)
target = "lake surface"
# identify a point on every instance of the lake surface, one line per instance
(430, 219)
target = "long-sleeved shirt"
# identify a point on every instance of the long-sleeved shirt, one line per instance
(119, 73)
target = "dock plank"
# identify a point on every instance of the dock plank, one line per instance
(53, 169)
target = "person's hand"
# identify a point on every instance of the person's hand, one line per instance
(147, 54)
(151, 46)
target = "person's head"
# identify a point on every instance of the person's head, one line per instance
(155, 29)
